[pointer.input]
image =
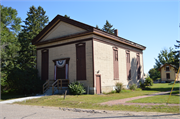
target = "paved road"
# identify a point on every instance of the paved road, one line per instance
(14, 111)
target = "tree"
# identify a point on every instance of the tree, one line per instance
(176, 62)
(24, 78)
(10, 27)
(97, 27)
(165, 56)
(34, 23)
(67, 16)
(154, 74)
(108, 28)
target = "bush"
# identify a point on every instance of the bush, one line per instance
(76, 88)
(119, 87)
(148, 82)
(142, 85)
(24, 81)
(133, 87)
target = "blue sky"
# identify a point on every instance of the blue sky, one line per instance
(152, 23)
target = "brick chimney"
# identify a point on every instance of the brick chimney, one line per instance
(116, 32)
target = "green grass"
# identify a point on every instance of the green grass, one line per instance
(161, 87)
(92, 101)
(174, 99)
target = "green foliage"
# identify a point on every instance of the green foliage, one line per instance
(10, 27)
(97, 27)
(132, 87)
(165, 56)
(25, 81)
(108, 28)
(18, 53)
(119, 87)
(148, 82)
(154, 74)
(142, 85)
(36, 20)
(76, 88)
(67, 16)
(176, 61)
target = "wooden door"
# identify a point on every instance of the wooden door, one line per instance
(98, 84)
(80, 61)
(44, 65)
(60, 73)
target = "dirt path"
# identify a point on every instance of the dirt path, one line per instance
(123, 101)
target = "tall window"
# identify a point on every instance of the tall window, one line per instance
(81, 61)
(115, 63)
(128, 65)
(44, 64)
(138, 67)
(167, 75)
(167, 68)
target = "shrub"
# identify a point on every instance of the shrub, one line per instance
(24, 81)
(76, 88)
(133, 87)
(119, 87)
(148, 82)
(142, 85)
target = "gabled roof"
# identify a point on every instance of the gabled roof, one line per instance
(89, 30)
(167, 65)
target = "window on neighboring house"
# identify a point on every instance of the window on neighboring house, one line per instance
(128, 65)
(115, 63)
(167, 68)
(167, 75)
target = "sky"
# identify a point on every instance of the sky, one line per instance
(151, 23)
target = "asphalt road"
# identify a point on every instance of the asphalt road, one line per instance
(14, 111)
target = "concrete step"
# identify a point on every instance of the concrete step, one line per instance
(61, 91)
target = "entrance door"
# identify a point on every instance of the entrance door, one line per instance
(80, 61)
(44, 67)
(60, 73)
(98, 84)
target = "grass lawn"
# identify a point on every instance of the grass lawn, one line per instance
(163, 87)
(92, 101)
(174, 99)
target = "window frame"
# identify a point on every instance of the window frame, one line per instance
(167, 76)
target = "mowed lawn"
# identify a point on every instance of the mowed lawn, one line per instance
(93, 101)
(174, 98)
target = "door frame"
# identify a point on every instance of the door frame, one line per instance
(99, 83)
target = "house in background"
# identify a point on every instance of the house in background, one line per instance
(168, 73)
(68, 49)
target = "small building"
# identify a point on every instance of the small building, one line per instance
(68, 49)
(168, 73)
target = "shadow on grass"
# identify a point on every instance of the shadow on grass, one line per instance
(7, 96)
(161, 89)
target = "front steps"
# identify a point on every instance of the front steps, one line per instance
(61, 91)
